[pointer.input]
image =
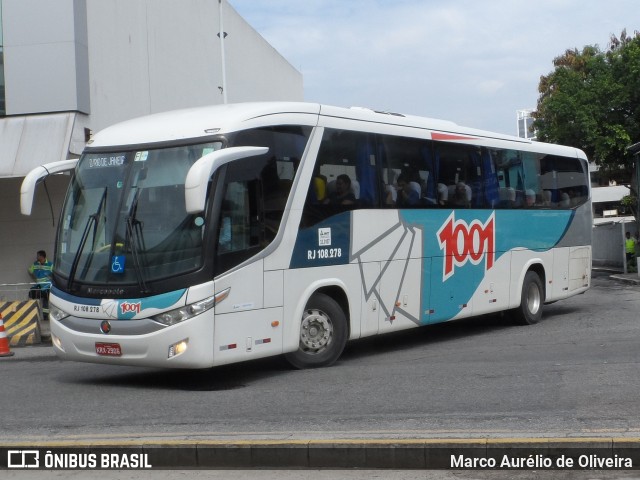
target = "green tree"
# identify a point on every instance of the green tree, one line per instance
(591, 100)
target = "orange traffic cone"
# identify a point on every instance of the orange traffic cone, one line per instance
(5, 351)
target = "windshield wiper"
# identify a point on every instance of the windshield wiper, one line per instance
(135, 239)
(92, 220)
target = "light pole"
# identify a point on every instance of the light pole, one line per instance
(635, 151)
(222, 34)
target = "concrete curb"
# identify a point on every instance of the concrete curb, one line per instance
(549, 453)
(630, 279)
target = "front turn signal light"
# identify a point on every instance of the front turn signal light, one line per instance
(178, 348)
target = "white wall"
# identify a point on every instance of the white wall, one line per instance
(45, 56)
(148, 56)
(119, 59)
(608, 245)
(255, 70)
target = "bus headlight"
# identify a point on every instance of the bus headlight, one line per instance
(181, 314)
(56, 314)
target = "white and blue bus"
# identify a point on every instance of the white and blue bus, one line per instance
(222, 234)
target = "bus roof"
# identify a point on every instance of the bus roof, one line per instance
(206, 121)
(195, 122)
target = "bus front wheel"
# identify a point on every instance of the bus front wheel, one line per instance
(531, 300)
(323, 334)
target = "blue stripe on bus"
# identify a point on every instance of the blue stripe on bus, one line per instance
(73, 299)
(532, 230)
(129, 308)
(126, 309)
(443, 291)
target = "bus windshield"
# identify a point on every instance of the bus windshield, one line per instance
(124, 221)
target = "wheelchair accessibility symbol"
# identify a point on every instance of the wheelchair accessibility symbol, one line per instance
(117, 264)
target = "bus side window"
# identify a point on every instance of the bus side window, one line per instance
(570, 181)
(510, 174)
(460, 170)
(408, 179)
(490, 182)
(344, 178)
(243, 226)
(562, 182)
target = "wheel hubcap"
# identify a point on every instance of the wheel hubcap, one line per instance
(533, 299)
(316, 331)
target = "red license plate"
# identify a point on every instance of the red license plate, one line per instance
(109, 349)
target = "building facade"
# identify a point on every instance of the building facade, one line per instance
(72, 67)
(524, 124)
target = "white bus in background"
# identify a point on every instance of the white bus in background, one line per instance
(215, 235)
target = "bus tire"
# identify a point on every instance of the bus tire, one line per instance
(531, 300)
(323, 333)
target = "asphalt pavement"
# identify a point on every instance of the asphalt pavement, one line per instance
(366, 453)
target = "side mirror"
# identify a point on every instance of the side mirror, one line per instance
(195, 185)
(28, 188)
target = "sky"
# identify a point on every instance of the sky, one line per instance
(475, 62)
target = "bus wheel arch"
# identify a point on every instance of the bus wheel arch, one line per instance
(532, 297)
(324, 329)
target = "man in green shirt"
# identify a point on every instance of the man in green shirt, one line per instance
(41, 271)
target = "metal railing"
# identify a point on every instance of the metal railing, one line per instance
(13, 292)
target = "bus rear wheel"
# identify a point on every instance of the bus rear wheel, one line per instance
(531, 300)
(323, 334)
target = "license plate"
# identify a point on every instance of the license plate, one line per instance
(109, 349)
